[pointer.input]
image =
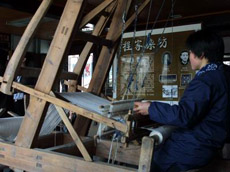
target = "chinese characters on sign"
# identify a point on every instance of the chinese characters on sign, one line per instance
(162, 42)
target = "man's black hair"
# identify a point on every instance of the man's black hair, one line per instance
(208, 44)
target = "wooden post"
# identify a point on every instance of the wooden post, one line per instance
(21, 49)
(35, 112)
(79, 67)
(146, 156)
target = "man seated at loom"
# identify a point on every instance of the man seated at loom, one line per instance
(202, 113)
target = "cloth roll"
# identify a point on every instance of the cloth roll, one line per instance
(162, 133)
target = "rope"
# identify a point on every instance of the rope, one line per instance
(157, 47)
(129, 79)
(132, 72)
(122, 31)
(116, 137)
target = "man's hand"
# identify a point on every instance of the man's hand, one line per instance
(141, 107)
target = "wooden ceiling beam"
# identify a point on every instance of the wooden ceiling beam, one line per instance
(95, 12)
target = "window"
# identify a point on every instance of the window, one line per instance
(87, 75)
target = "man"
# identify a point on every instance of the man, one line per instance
(201, 114)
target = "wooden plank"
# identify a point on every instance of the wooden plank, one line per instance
(95, 12)
(79, 67)
(93, 116)
(34, 72)
(146, 156)
(128, 155)
(72, 132)
(47, 161)
(22, 47)
(107, 55)
(35, 112)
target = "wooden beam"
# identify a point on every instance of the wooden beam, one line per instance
(78, 110)
(47, 161)
(106, 56)
(34, 114)
(34, 72)
(146, 156)
(18, 55)
(95, 12)
(79, 67)
(131, 19)
(128, 155)
(72, 132)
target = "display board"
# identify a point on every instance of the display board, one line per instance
(160, 71)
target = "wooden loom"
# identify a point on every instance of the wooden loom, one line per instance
(26, 154)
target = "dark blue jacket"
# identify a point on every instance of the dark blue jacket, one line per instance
(201, 118)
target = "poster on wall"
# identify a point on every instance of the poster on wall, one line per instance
(137, 76)
(154, 67)
(170, 91)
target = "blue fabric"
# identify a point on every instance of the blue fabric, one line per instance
(201, 118)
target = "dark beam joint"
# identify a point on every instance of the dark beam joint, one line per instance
(94, 39)
(104, 13)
